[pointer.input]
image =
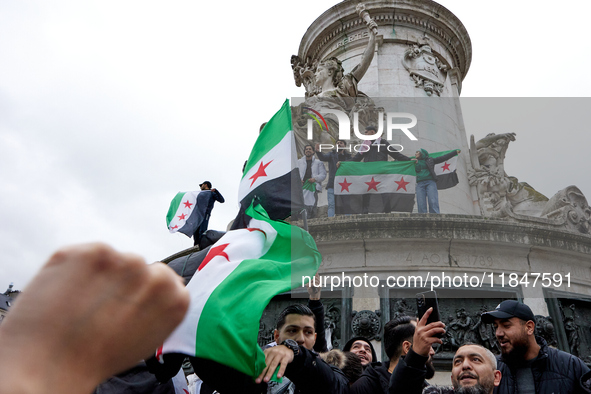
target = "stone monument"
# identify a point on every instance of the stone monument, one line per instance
(494, 230)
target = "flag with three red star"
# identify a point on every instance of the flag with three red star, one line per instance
(386, 186)
(271, 169)
(232, 283)
(375, 187)
(188, 210)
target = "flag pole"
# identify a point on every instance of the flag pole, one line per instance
(305, 218)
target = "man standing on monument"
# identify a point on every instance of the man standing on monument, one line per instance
(205, 200)
(338, 154)
(526, 361)
(312, 173)
(426, 188)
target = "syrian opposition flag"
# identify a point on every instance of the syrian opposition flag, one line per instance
(271, 169)
(375, 187)
(187, 211)
(233, 285)
(309, 190)
(446, 171)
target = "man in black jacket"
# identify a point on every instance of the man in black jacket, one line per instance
(527, 363)
(305, 371)
(205, 200)
(398, 337)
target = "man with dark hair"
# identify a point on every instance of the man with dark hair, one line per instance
(333, 157)
(303, 371)
(377, 149)
(363, 348)
(526, 361)
(312, 173)
(398, 336)
(205, 200)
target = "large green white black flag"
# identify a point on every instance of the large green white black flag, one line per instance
(271, 169)
(375, 187)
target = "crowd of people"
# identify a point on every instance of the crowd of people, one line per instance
(92, 312)
(313, 172)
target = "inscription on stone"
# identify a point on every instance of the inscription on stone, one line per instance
(475, 260)
(425, 258)
(350, 39)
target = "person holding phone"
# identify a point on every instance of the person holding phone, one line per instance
(474, 368)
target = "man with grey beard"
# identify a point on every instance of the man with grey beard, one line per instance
(474, 368)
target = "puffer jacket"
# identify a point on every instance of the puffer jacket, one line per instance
(555, 372)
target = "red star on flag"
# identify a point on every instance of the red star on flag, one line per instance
(257, 229)
(372, 184)
(213, 252)
(402, 184)
(445, 167)
(175, 227)
(345, 185)
(188, 204)
(182, 216)
(260, 172)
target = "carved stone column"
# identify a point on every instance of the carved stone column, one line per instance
(422, 54)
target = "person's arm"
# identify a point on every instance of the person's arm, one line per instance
(322, 156)
(396, 155)
(441, 159)
(311, 374)
(217, 195)
(409, 374)
(317, 308)
(89, 313)
(360, 70)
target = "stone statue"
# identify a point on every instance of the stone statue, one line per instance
(329, 87)
(503, 196)
(460, 326)
(425, 69)
(486, 332)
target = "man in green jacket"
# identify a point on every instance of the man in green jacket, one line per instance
(426, 188)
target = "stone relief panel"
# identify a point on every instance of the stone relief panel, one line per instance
(425, 69)
(575, 318)
(367, 324)
(462, 318)
(503, 196)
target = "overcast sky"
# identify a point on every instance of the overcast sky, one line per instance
(108, 108)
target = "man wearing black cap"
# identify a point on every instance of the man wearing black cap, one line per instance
(363, 348)
(527, 363)
(205, 200)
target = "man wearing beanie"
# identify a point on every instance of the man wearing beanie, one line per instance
(363, 348)
(527, 363)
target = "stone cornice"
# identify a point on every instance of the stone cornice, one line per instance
(453, 227)
(423, 15)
